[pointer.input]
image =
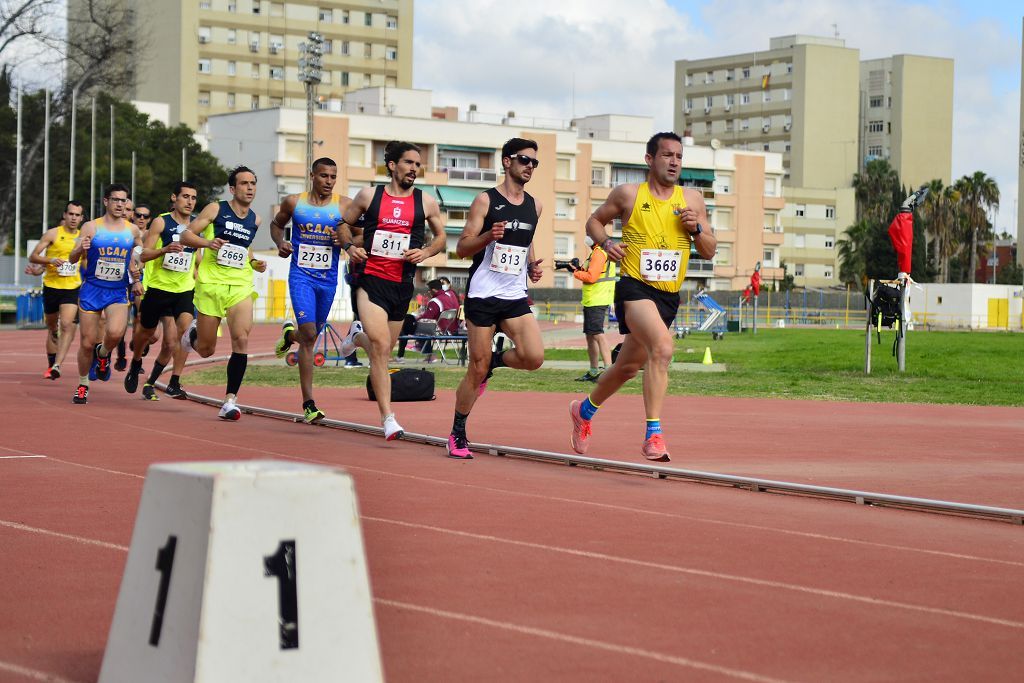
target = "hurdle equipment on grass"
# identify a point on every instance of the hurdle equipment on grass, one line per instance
(244, 571)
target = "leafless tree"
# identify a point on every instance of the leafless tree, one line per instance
(24, 20)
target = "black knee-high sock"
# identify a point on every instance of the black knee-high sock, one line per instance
(51, 358)
(459, 425)
(175, 381)
(236, 371)
(158, 369)
(121, 348)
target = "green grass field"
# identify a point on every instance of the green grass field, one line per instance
(975, 368)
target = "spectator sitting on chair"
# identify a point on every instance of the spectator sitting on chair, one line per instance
(436, 305)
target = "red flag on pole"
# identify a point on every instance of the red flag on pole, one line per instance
(755, 282)
(901, 233)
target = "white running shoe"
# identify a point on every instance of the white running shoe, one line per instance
(229, 411)
(186, 339)
(392, 430)
(348, 344)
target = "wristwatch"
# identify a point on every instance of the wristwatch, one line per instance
(698, 231)
(345, 247)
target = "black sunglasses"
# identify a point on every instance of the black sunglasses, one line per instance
(525, 160)
(141, 215)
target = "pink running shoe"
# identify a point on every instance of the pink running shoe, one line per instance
(458, 447)
(654, 449)
(580, 437)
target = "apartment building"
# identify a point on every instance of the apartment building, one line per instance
(205, 57)
(907, 116)
(580, 161)
(812, 100)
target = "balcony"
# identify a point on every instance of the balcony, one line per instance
(472, 175)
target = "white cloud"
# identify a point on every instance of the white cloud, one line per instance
(523, 56)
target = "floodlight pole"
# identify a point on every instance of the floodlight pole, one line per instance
(310, 63)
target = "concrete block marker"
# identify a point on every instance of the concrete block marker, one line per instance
(244, 571)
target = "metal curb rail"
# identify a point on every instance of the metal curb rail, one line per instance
(754, 484)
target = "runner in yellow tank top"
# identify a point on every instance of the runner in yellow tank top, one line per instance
(660, 222)
(61, 282)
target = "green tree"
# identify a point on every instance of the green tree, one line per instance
(875, 190)
(940, 213)
(979, 194)
(853, 248)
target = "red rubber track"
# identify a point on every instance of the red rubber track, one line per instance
(506, 569)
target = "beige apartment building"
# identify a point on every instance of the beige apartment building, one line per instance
(580, 161)
(206, 57)
(812, 100)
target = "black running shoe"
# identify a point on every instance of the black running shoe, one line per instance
(121, 363)
(176, 391)
(149, 393)
(81, 395)
(131, 379)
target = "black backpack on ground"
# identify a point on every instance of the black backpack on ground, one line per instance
(407, 384)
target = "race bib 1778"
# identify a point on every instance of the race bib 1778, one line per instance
(109, 269)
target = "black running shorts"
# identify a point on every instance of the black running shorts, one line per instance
(54, 298)
(393, 297)
(630, 289)
(158, 303)
(490, 311)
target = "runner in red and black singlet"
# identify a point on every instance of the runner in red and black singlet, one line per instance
(393, 227)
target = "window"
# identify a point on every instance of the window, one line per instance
(828, 272)
(204, 66)
(204, 34)
(689, 103)
(232, 68)
(730, 99)
(597, 176)
(689, 80)
(344, 16)
(565, 207)
(875, 127)
(875, 101)
(204, 4)
(255, 71)
(770, 187)
(766, 123)
(255, 6)
(562, 281)
(254, 39)
(563, 168)
(451, 159)
(745, 98)
(277, 9)
(622, 175)
(391, 53)
(744, 124)
(275, 101)
(769, 258)
(232, 7)
(729, 74)
(830, 243)
(746, 72)
(766, 95)
(709, 77)
(204, 99)
(708, 101)
(277, 73)
(771, 222)
(789, 148)
(874, 151)
(723, 255)
(766, 147)
(785, 94)
(276, 44)
(328, 46)
(232, 36)
(326, 16)
(801, 210)
(255, 103)
(344, 78)
(368, 18)
(798, 269)
(830, 212)
(344, 48)
(392, 23)
(728, 125)
(789, 67)
(799, 241)
(231, 100)
(368, 50)
(563, 246)
(722, 185)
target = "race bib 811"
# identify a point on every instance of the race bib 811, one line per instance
(390, 244)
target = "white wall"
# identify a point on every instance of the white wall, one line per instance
(963, 305)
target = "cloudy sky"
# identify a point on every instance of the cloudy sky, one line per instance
(526, 56)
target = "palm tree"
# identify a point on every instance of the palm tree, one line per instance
(979, 194)
(940, 212)
(874, 190)
(853, 248)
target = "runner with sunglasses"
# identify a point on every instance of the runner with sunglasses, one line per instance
(499, 237)
(660, 221)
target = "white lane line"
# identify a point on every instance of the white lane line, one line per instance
(20, 457)
(543, 633)
(33, 674)
(67, 537)
(766, 583)
(576, 640)
(608, 506)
